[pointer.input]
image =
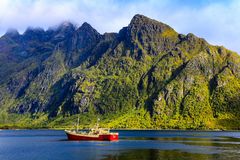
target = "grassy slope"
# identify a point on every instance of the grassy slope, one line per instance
(179, 83)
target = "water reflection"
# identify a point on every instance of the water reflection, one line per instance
(197, 146)
(153, 154)
(132, 145)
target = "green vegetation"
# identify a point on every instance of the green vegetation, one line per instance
(145, 77)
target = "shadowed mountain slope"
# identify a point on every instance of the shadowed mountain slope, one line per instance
(145, 76)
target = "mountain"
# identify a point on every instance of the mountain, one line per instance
(145, 76)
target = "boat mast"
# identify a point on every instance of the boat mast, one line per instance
(98, 119)
(77, 123)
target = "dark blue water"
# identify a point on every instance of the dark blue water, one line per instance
(132, 145)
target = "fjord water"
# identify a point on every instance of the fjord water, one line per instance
(132, 145)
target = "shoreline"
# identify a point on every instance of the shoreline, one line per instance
(130, 129)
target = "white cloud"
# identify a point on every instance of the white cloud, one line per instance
(217, 22)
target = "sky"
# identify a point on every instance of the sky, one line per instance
(217, 21)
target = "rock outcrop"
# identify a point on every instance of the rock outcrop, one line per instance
(181, 81)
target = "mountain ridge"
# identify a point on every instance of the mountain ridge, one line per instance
(145, 76)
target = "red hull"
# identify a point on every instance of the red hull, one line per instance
(101, 137)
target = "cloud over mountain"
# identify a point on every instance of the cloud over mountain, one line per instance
(216, 21)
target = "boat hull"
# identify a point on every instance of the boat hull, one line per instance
(101, 137)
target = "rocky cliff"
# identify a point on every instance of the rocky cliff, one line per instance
(145, 76)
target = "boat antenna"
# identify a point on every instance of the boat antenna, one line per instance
(77, 122)
(98, 119)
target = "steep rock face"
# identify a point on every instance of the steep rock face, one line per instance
(147, 36)
(181, 81)
(40, 59)
(82, 43)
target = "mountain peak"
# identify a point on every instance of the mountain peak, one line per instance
(12, 32)
(87, 27)
(34, 33)
(85, 24)
(66, 26)
(87, 30)
(139, 17)
(140, 20)
(35, 30)
(144, 30)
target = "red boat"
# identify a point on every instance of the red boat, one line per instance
(92, 135)
(95, 134)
